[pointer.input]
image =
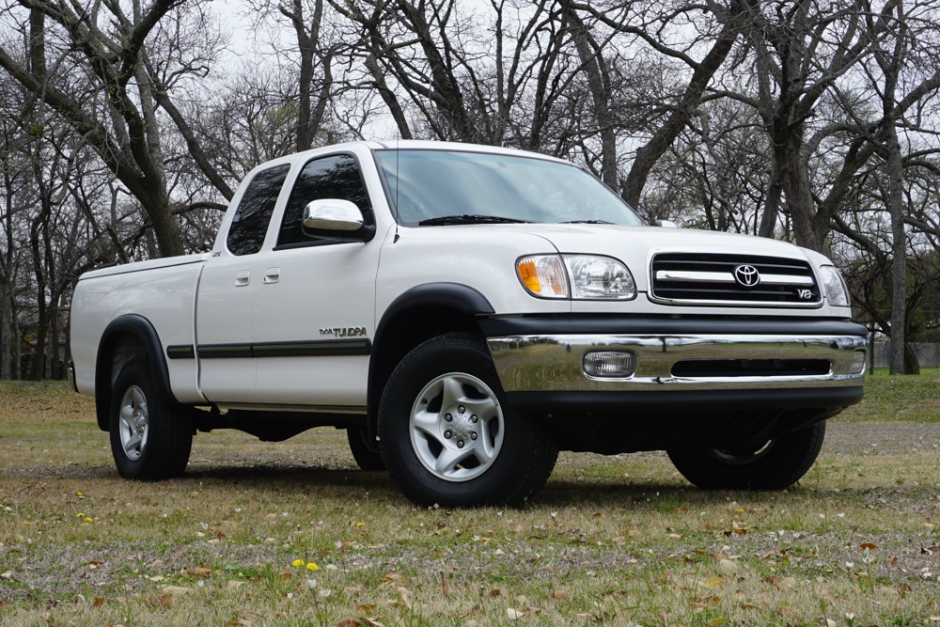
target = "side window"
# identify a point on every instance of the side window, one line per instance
(246, 233)
(329, 177)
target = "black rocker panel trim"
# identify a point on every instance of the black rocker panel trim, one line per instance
(181, 351)
(311, 348)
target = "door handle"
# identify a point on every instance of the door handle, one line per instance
(242, 278)
(271, 275)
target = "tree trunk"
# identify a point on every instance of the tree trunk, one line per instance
(6, 331)
(649, 154)
(598, 80)
(899, 249)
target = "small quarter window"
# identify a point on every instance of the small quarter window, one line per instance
(328, 177)
(246, 233)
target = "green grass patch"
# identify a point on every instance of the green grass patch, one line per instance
(898, 398)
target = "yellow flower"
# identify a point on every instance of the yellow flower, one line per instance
(79, 493)
(359, 524)
(79, 515)
(87, 519)
(298, 562)
(312, 566)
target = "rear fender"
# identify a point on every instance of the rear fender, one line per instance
(126, 337)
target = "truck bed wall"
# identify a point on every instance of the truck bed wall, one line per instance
(164, 295)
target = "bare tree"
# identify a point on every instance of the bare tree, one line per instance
(113, 104)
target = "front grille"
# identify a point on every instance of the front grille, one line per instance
(750, 367)
(705, 278)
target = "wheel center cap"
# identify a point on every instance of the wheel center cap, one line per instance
(458, 421)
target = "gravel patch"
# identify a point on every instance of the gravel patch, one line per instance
(880, 438)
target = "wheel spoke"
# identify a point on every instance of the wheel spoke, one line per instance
(484, 445)
(485, 408)
(127, 412)
(453, 391)
(426, 421)
(133, 442)
(449, 458)
(140, 400)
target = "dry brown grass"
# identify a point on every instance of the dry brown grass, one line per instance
(615, 541)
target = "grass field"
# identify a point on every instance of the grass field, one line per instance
(610, 540)
(893, 398)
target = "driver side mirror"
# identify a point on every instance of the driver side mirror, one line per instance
(332, 215)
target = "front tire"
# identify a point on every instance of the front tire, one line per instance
(149, 440)
(774, 465)
(449, 438)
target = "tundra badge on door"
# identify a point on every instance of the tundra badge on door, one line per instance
(344, 331)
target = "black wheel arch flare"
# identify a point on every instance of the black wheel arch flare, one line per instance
(456, 296)
(143, 329)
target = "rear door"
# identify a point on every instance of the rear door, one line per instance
(314, 308)
(226, 293)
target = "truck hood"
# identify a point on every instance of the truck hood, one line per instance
(634, 245)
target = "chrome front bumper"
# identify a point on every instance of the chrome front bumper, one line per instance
(554, 362)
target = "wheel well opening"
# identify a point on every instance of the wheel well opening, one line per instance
(126, 346)
(118, 349)
(406, 330)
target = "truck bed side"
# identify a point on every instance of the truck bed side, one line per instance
(164, 295)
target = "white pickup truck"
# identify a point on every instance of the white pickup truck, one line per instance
(466, 312)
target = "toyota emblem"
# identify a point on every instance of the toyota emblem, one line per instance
(748, 276)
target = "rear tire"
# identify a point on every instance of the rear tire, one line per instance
(150, 439)
(368, 458)
(449, 438)
(776, 465)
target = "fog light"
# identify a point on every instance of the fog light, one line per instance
(609, 364)
(858, 362)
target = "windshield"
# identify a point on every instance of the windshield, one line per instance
(434, 187)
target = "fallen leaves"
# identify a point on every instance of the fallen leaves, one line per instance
(199, 571)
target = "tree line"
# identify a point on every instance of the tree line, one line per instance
(126, 125)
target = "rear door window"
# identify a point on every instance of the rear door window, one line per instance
(335, 177)
(248, 228)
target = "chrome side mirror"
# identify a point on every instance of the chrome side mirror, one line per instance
(666, 224)
(331, 214)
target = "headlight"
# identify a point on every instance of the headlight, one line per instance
(543, 276)
(591, 277)
(594, 277)
(836, 291)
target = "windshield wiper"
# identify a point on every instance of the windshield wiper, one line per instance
(587, 222)
(468, 219)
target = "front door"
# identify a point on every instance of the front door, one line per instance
(314, 307)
